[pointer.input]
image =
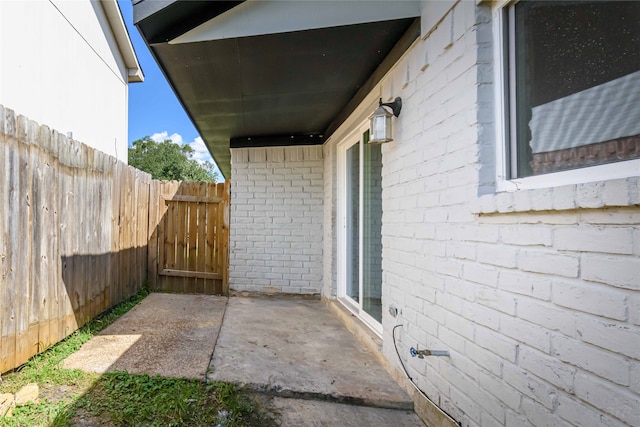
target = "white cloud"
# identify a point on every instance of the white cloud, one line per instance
(176, 138)
(200, 151)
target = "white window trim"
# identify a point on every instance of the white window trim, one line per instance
(605, 172)
(343, 298)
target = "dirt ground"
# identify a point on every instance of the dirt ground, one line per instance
(67, 393)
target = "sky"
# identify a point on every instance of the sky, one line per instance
(154, 109)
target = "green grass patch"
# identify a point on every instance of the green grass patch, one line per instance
(36, 414)
(45, 368)
(122, 399)
(142, 400)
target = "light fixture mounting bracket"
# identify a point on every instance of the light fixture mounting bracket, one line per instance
(396, 105)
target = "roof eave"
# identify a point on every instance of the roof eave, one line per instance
(116, 22)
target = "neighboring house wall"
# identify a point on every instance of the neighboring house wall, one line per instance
(276, 219)
(60, 64)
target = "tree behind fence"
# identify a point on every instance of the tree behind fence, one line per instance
(73, 235)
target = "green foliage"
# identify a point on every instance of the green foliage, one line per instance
(168, 161)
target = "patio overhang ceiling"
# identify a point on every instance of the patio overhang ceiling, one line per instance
(273, 72)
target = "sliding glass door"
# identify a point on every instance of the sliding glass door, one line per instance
(360, 225)
(352, 223)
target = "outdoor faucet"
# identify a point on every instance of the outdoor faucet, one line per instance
(422, 353)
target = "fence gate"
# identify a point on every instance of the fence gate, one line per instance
(192, 238)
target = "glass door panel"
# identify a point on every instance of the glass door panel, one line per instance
(372, 229)
(353, 222)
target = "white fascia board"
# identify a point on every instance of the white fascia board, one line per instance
(259, 17)
(116, 22)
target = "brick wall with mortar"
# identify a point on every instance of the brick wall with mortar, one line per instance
(329, 288)
(276, 230)
(536, 293)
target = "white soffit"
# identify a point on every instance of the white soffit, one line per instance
(259, 17)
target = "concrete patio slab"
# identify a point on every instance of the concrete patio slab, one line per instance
(294, 347)
(314, 413)
(166, 334)
(290, 350)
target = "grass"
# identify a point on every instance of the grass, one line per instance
(128, 400)
(122, 399)
(45, 368)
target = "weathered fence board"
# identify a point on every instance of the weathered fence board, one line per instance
(63, 256)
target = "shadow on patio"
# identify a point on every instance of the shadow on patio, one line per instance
(292, 350)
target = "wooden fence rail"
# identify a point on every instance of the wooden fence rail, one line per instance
(75, 233)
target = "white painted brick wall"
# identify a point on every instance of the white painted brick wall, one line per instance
(329, 288)
(276, 214)
(619, 402)
(601, 300)
(601, 362)
(535, 293)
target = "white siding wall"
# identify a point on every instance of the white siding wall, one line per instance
(57, 67)
(276, 233)
(535, 293)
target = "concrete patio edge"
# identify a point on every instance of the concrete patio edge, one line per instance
(287, 346)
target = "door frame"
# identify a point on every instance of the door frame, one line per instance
(356, 307)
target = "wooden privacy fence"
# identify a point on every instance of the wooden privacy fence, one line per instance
(188, 250)
(73, 235)
(81, 232)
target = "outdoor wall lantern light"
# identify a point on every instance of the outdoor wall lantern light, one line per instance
(381, 121)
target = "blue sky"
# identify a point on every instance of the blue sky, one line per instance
(154, 110)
